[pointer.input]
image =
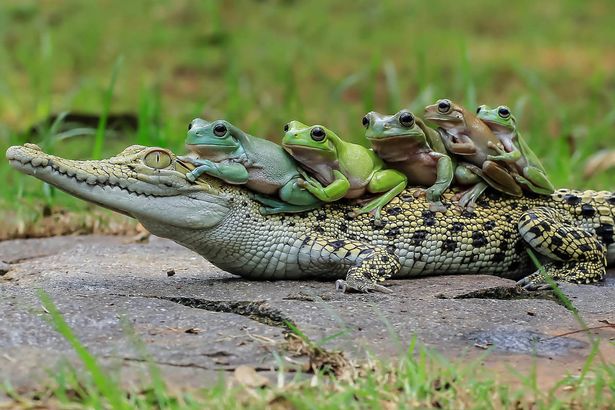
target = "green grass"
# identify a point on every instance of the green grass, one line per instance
(419, 379)
(261, 64)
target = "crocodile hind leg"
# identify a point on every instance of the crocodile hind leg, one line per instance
(574, 254)
(367, 265)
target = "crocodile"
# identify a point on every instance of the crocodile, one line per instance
(571, 231)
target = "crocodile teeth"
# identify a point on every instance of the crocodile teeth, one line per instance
(37, 161)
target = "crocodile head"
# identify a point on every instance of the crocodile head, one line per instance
(145, 183)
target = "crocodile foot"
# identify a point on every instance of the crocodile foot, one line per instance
(348, 286)
(533, 282)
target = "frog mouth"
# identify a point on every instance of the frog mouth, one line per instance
(392, 137)
(497, 127)
(210, 145)
(290, 148)
(441, 117)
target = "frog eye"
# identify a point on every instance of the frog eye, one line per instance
(406, 119)
(286, 127)
(365, 121)
(157, 158)
(444, 106)
(318, 134)
(503, 111)
(220, 130)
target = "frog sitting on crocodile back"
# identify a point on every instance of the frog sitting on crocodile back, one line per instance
(467, 137)
(516, 152)
(406, 144)
(228, 153)
(341, 169)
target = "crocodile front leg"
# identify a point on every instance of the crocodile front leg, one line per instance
(575, 255)
(367, 264)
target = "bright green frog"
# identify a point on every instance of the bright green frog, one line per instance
(228, 153)
(516, 152)
(341, 169)
(406, 144)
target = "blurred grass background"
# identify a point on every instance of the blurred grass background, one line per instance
(261, 63)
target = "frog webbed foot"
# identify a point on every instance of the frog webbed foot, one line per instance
(191, 177)
(467, 200)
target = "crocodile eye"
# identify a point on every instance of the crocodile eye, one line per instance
(444, 106)
(365, 121)
(317, 134)
(406, 119)
(286, 127)
(157, 159)
(220, 130)
(503, 111)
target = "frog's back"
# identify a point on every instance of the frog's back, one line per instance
(269, 162)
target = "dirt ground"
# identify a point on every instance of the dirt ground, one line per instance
(197, 321)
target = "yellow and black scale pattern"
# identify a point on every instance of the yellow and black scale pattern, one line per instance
(572, 230)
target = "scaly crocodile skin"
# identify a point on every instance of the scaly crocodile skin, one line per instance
(573, 230)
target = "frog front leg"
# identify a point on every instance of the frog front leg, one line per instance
(503, 155)
(389, 181)
(458, 144)
(444, 178)
(230, 172)
(330, 193)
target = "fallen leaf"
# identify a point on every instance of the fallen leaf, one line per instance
(248, 377)
(599, 162)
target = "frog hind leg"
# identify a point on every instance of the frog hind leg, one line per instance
(469, 197)
(273, 206)
(293, 194)
(468, 174)
(465, 174)
(387, 180)
(573, 254)
(500, 179)
(536, 180)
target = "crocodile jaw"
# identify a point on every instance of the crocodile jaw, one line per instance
(125, 184)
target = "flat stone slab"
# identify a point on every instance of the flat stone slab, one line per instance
(197, 322)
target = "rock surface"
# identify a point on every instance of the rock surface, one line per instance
(198, 322)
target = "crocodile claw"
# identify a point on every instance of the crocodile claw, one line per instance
(343, 286)
(527, 283)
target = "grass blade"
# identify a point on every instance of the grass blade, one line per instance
(102, 123)
(101, 380)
